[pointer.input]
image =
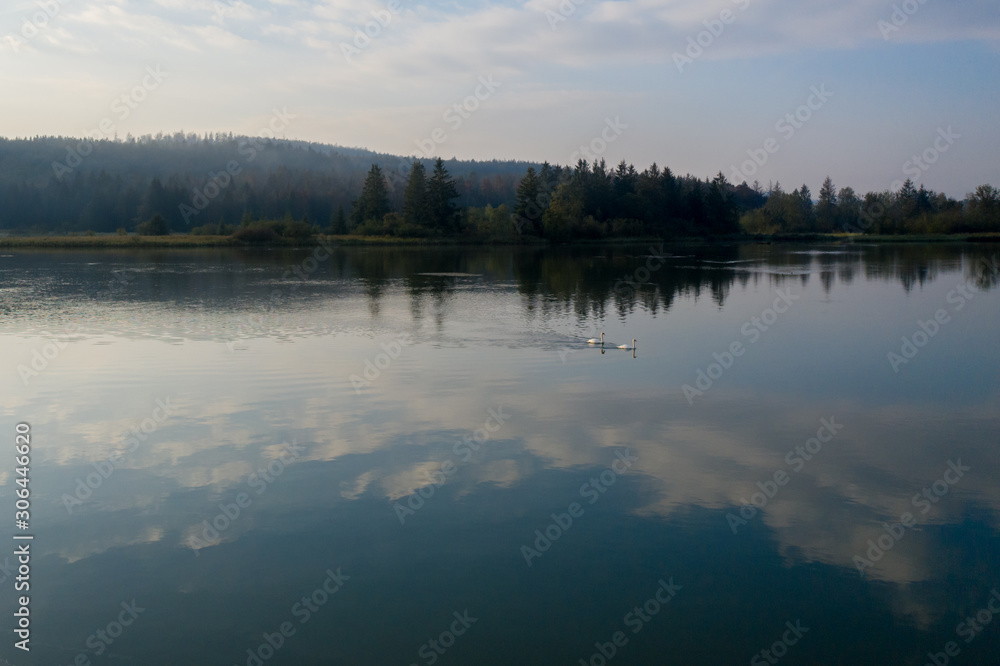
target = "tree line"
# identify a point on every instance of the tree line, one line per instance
(59, 184)
(908, 210)
(592, 201)
(262, 188)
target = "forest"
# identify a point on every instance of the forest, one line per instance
(259, 189)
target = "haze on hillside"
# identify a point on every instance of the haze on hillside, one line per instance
(701, 87)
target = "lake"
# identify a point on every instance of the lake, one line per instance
(410, 455)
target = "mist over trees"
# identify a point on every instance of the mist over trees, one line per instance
(260, 189)
(72, 185)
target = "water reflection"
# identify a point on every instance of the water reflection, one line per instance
(592, 280)
(218, 529)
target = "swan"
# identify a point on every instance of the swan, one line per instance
(626, 346)
(595, 341)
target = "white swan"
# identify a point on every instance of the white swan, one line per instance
(594, 341)
(626, 346)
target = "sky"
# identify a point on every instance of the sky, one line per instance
(869, 92)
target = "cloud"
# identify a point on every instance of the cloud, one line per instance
(606, 57)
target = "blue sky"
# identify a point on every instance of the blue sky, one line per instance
(560, 74)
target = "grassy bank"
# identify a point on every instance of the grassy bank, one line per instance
(188, 240)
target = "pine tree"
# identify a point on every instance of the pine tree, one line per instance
(339, 222)
(154, 201)
(549, 177)
(827, 207)
(907, 198)
(373, 203)
(528, 189)
(720, 208)
(801, 215)
(440, 191)
(415, 204)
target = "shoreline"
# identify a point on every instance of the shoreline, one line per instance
(186, 241)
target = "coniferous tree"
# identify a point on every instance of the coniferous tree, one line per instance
(373, 203)
(848, 210)
(440, 192)
(907, 199)
(154, 201)
(339, 222)
(720, 207)
(527, 210)
(549, 177)
(416, 211)
(924, 204)
(802, 210)
(826, 208)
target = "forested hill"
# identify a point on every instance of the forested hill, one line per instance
(225, 184)
(73, 184)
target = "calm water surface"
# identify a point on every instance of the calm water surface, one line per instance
(412, 456)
